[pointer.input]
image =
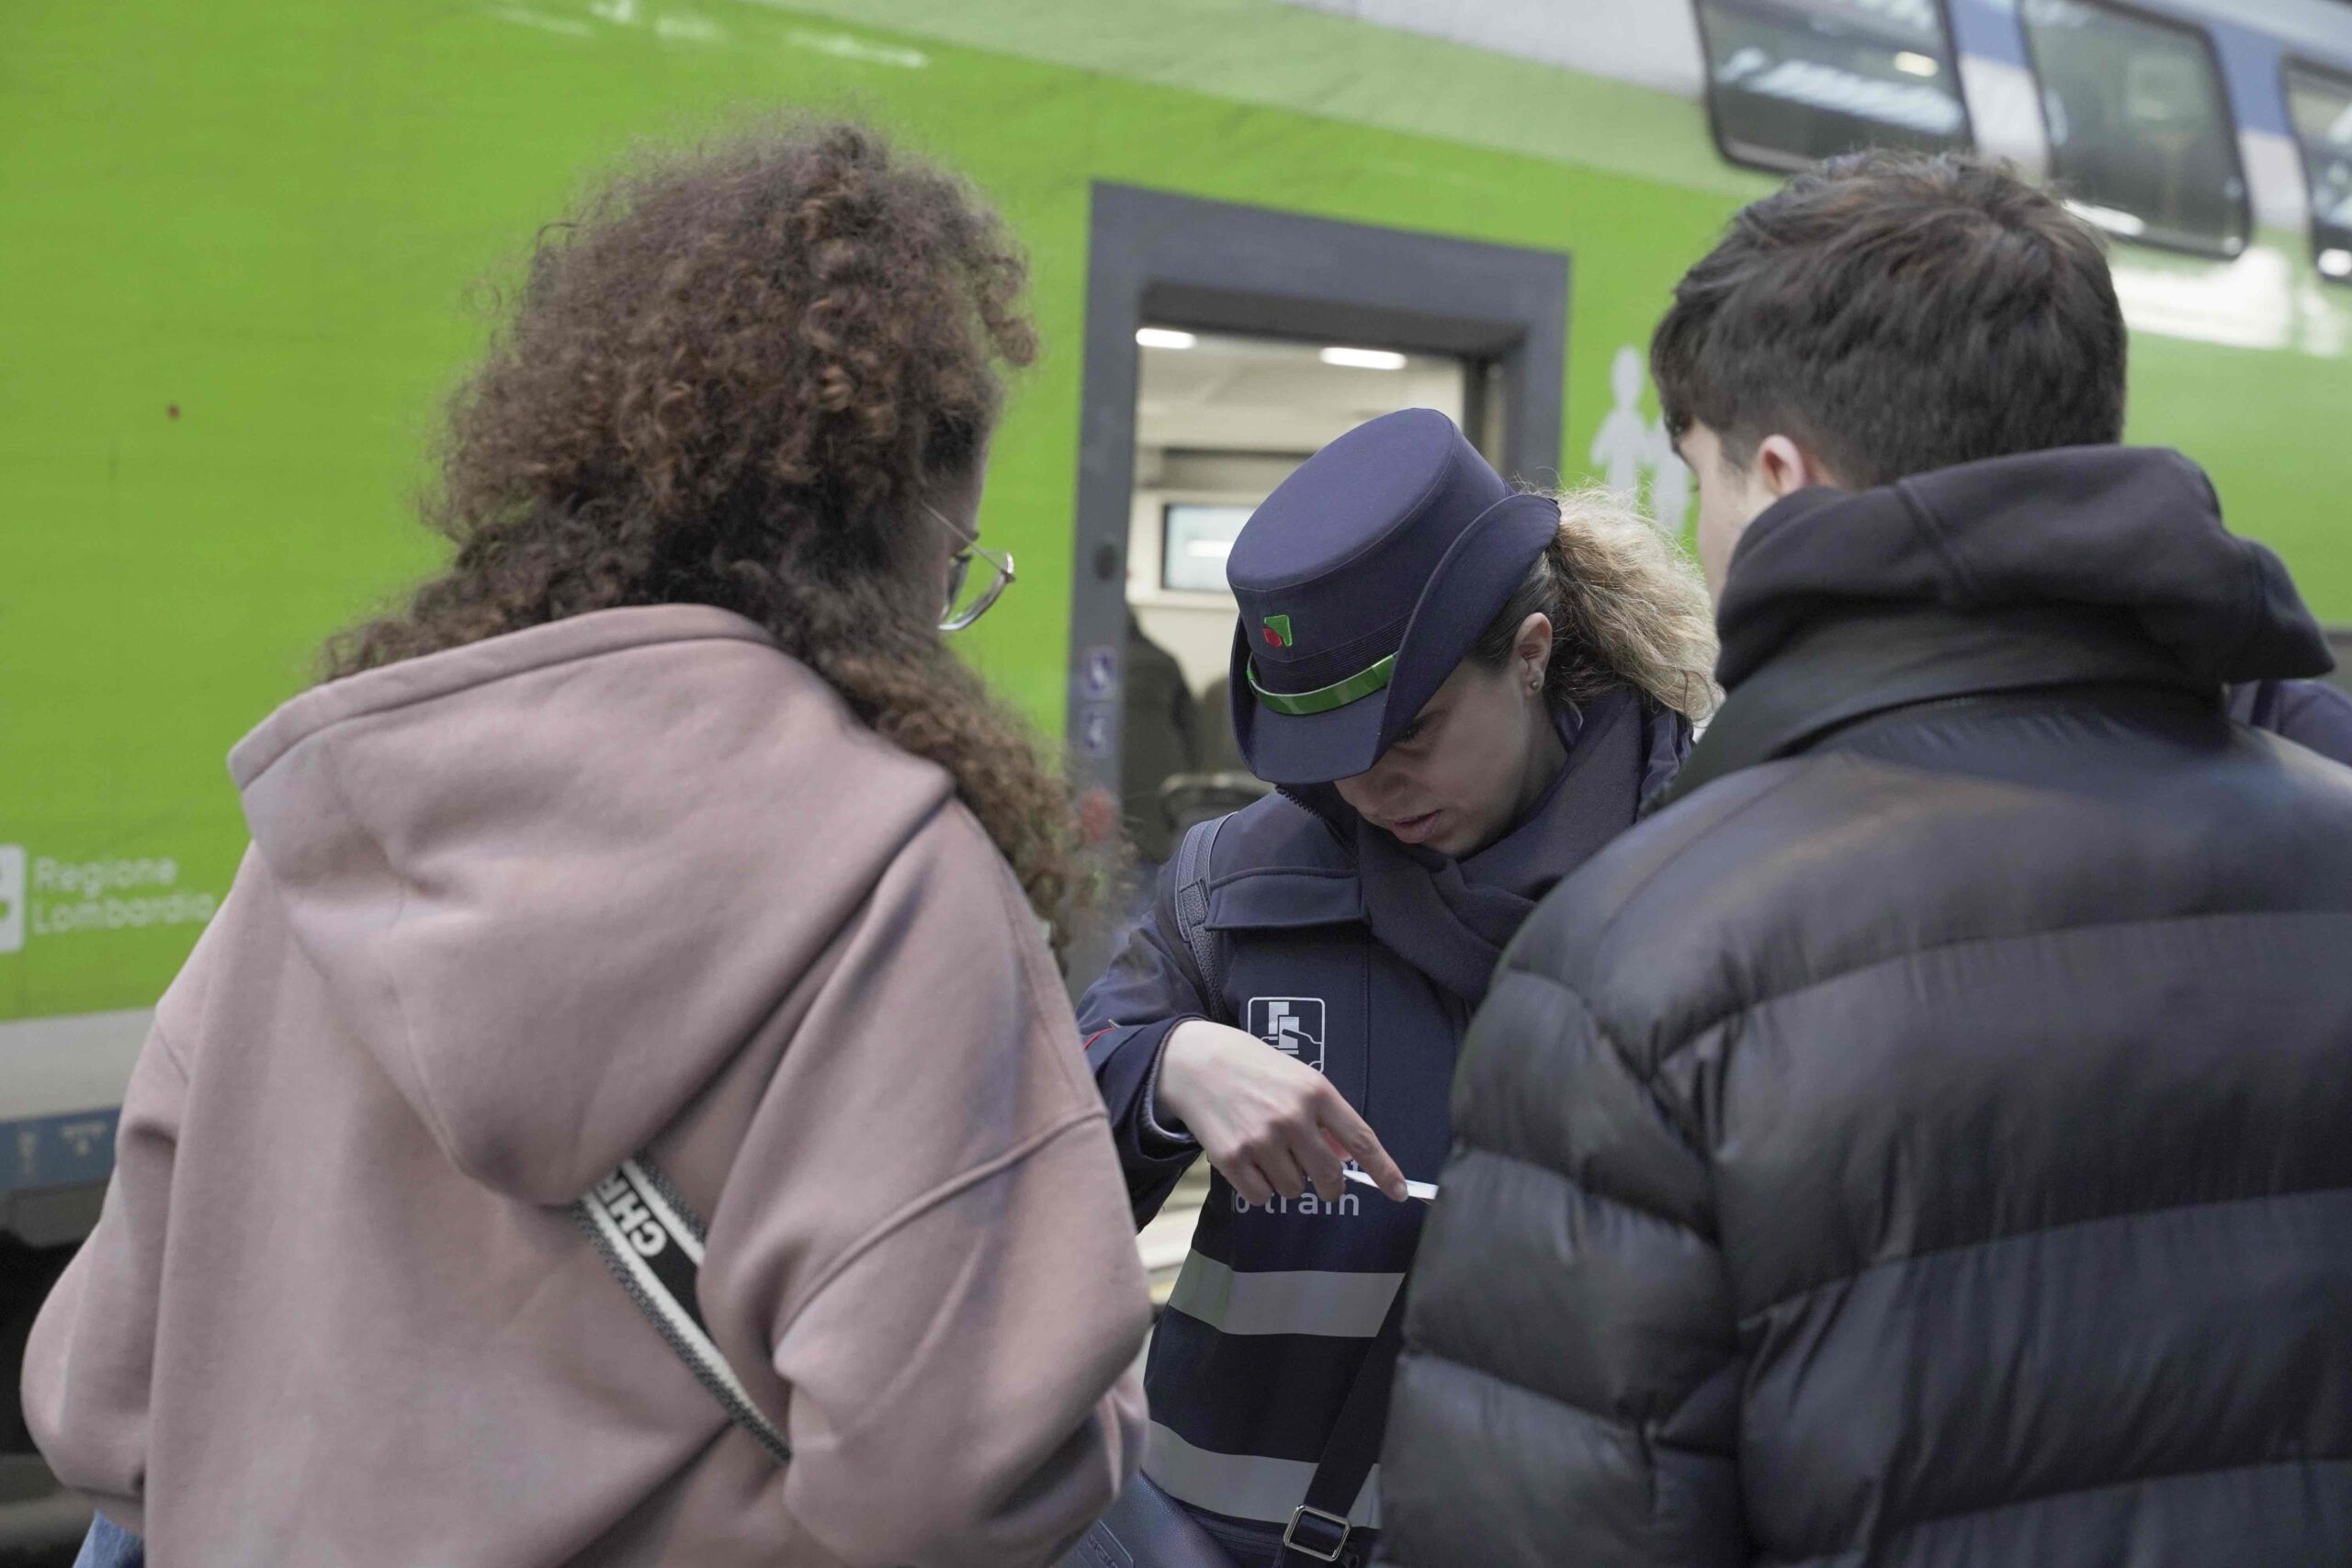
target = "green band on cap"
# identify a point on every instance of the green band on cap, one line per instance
(1323, 699)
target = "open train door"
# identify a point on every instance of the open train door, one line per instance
(1224, 345)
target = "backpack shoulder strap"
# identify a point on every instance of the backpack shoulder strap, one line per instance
(652, 1243)
(1318, 1530)
(1206, 946)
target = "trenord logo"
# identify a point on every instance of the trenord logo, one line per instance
(1292, 1025)
(12, 897)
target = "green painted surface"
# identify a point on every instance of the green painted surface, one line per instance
(245, 248)
(1336, 68)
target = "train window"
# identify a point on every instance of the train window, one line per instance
(2141, 138)
(2319, 106)
(1793, 81)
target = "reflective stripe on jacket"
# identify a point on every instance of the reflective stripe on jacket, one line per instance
(1270, 1318)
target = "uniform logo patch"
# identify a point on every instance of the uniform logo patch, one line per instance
(1277, 632)
(1292, 1025)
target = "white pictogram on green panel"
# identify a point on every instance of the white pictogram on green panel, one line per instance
(1629, 446)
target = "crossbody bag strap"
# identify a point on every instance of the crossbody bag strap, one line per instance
(1318, 1528)
(1207, 948)
(652, 1242)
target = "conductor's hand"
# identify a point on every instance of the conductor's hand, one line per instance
(1268, 1123)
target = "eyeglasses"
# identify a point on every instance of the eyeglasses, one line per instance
(970, 594)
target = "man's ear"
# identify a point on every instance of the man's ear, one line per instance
(1783, 467)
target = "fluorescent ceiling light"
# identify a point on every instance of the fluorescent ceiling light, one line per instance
(1209, 549)
(2336, 262)
(1364, 358)
(1912, 64)
(2131, 225)
(1164, 337)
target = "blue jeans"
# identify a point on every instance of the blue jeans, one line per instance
(109, 1545)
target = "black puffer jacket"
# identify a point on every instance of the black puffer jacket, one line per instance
(1928, 1139)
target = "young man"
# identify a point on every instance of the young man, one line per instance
(1927, 1139)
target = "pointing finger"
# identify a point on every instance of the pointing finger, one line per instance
(1355, 1135)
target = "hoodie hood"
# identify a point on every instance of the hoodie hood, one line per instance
(2134, 532)
(555, 880)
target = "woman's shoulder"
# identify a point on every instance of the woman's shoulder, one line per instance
(1278, 833)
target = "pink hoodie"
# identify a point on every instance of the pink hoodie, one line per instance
(513, 912)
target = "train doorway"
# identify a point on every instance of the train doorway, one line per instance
(1224, 345)
(1221, 419)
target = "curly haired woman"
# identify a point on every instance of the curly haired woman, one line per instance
(662, 824)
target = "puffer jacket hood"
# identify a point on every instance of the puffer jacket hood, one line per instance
(543, 950)
(2134, 530)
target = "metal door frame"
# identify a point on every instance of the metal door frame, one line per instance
(1179, 261)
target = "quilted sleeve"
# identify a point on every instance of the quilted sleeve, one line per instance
(1570, 1389)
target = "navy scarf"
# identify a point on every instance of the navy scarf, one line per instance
(1450, 919)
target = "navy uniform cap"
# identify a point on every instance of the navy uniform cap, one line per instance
(1364, 580)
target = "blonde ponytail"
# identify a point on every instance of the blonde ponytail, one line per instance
(1627, 607)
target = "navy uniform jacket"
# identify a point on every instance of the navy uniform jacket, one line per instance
(1271, 1315)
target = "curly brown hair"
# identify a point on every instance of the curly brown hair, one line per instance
(733, 380)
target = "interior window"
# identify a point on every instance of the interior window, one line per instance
(1195, 539)
(1793, 81)
(2319, 103)
(2141, 138)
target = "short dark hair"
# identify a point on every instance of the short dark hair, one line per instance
(1896, 312)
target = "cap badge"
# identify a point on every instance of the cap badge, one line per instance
(1277, 632)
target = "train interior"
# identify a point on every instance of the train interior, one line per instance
(1221, 419)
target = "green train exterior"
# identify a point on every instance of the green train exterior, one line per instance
(246, 249)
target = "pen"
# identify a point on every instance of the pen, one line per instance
(1422, 1190)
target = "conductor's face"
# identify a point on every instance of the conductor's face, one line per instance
(1472, 760)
